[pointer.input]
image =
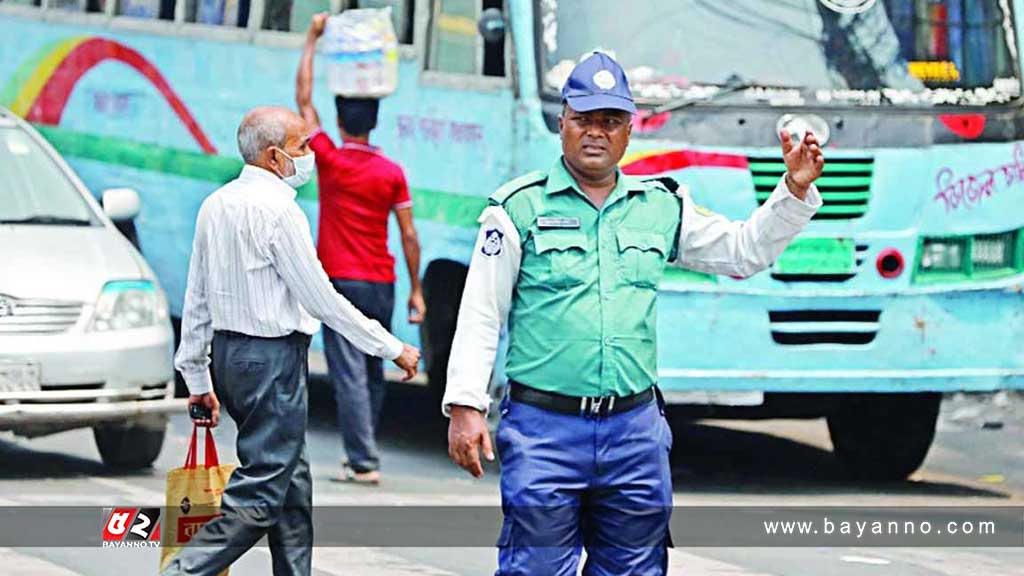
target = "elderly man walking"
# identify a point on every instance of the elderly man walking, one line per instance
(255, 287)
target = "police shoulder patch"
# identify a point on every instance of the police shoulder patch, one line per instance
(492, 242)
(523, 182)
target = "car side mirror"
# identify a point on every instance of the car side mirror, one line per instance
(491, 26)
(121, 204)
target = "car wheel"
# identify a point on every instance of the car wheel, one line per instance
(884, 437)
(131, 447)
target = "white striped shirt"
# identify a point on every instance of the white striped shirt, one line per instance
(254, 271)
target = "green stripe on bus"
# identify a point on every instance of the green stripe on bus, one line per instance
(780, 167)
(828, 196)
(433, 205)
(824, 181)
(842, 209)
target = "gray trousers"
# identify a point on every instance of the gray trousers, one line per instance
(261, 383)
(358, 378)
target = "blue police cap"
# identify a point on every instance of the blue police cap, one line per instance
(598, 82)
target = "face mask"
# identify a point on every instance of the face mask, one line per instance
(303, 169)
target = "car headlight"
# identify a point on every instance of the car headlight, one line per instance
(942, 254)
(129, 304)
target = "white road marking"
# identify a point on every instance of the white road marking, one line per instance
(142, 496)
(680, 562)
(24, 565)
(956, 562)
(366, 562)
(865, 560)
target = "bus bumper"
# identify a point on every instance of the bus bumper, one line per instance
(965, 340)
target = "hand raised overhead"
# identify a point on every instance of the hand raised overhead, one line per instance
(804, 162)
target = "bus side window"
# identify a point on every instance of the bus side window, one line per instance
(162, 9)
(402, 15)
(455, 44)
(294, 15)
(218, 12)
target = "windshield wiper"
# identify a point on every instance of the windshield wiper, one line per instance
(51, 220)
(732, 85)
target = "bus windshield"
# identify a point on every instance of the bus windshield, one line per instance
(896, 52)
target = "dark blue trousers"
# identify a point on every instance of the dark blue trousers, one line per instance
(571, 482)
(261, 384)
(358, 378)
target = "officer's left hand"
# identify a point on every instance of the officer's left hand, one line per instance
(804, 162)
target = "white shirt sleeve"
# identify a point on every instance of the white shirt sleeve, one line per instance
(486, 300)
(294, 257)
(192, 358)
(709, 242)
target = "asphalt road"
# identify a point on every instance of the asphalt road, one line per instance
(977, 460)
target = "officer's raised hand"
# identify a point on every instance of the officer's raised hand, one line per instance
(804, 162)
(467, 434)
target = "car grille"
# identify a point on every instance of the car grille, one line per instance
(845, 184)
(26, 316)
(806, 327)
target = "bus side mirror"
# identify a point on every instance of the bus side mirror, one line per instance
(491, 26)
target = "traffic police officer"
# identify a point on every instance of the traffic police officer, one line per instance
(570, 260)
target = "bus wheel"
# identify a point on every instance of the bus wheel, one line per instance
(442, 290)
(884, 437)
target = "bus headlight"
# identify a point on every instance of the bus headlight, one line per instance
(993, 251)
(942, 254)
(123, 305)
(965, 258)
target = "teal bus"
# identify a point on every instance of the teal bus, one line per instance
(906, 285)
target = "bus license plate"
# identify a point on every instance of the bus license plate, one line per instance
(18, 377)
(817, 256)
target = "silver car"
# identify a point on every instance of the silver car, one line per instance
(85, 339)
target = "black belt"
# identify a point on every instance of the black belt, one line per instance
(595, 406)
(297, 336)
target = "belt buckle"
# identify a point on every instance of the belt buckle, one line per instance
(592, 405)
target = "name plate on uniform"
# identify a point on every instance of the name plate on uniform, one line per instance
(553, 223)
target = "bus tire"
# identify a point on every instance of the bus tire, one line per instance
(443, 283)
(884, 437)
(130, 447)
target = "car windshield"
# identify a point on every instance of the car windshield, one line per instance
(889, 52)
(33, 189)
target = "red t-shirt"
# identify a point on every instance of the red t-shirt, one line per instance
(359, 188)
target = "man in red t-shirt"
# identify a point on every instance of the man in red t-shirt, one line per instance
(359, 188)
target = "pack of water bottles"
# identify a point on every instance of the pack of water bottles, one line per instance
(361, 50)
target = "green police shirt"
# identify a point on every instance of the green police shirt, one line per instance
(582, 320)
(576, 285)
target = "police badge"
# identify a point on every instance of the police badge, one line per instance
(492, 242)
